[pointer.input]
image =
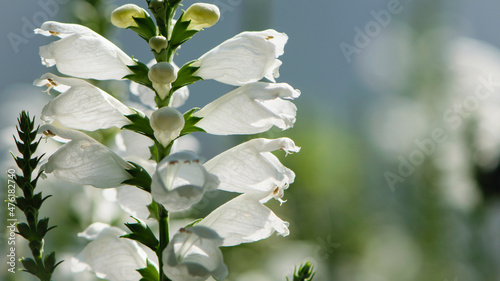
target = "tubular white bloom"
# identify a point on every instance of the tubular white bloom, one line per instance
(245, 58)
(124, 15)
(243, 220)
(194, 255)
(251, 168)
(81, 105)
(82, 52)
(201, 15)
(180, 181)
(147, 96)
(250, 109)
(167, 123)
(158, 43)
(162, 75)
(110, 257)
(83, 160)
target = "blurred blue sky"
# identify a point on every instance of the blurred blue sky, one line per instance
(313, 61)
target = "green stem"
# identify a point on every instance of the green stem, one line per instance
(164, 239)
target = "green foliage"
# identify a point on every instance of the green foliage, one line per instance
(140, 124)
(190, 123)
(140, 74)
(304, 273)
(149, 273)
(140, 177)
(181, 33)
(146, 27)
(142, 233)
(29, 203)
(185, 76)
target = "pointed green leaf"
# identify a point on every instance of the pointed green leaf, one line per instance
(149, 273)
(141, 233)
(186, 76)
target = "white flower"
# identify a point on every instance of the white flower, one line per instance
(82, 52)
(243, 220)
(147, 96)
(180, 181)
(250, 109)
(124, 15)
(83, 160)
(162, 75)
(194, 255)
(201, 15)
(109, 256)
(134, 201)
(245, 58)
(251, 168)
(81, 105)
(167, 123)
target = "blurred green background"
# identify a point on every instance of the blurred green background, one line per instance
(399, 123)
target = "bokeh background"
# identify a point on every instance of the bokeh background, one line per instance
(399, 123)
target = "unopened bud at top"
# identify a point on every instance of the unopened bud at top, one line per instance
(158, 43)
(123, 16)
(201, 15)
(167, 123)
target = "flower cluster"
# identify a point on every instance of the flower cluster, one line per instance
(170, 180)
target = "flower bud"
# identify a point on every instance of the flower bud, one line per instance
(201, 15)
(162, 75)
(158, 43)
(123, 16)
(167, 123)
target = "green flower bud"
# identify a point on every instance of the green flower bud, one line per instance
(123, 16)
(158, 43)
(201, 15)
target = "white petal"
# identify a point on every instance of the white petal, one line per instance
(245, 58)
(251, 167)
(83, 106)
(194, 255)
(134, 144)
(134, 201)
(110, 257)
(244, 219)
(83, 53)
(180, 181)
(83, 160)
(250, 109)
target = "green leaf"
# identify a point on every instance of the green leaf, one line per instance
(149, 273)
(141, 233)
(146, 27)
(304, 273)
(140, 124)
(140, 177)
(140, 74)
(24, 230)
(30, 266)
(153, 210)
(50, 262)
(185, 76)
(181, 33)
(190, 123)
